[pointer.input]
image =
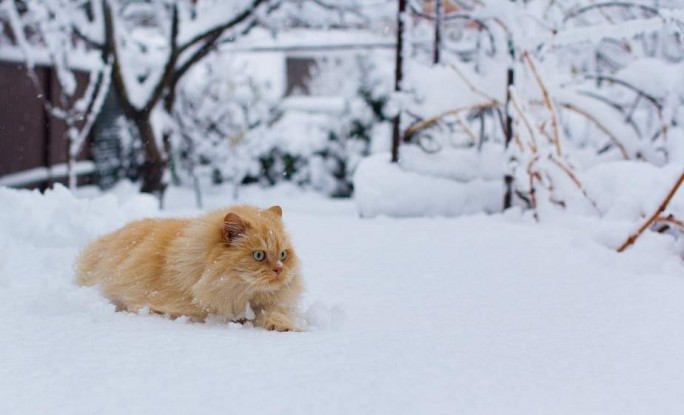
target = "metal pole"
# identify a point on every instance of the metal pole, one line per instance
(510, 82)
(438, 31)
(398, 76)
(47, 130)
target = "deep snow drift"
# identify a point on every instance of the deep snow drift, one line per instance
(476, 314)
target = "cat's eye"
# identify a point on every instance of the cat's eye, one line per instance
(283, 255)
(259, 255)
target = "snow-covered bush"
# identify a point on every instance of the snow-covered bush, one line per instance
(563, 86)
(229, 126)
(546, 101)
(220, 122)
(348, 94)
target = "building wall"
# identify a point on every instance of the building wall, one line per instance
(23, 123)
(29, 137)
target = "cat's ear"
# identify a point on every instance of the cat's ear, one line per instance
(276, 210)
(233, 227)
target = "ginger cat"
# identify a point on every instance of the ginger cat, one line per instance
(216, 265)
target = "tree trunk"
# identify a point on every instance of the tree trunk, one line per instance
(152, 170)
(169, 100)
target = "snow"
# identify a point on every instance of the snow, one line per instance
(454, 182)
(638, 196)
(597, 33)
(304, 42)
(31, 55)
(38, 174)
(477, 314)
(616, 127)
(438, 89)
(82, 60)
(667, 82)
(209, 16)
(301, 132)
(333, 105)
(383, 188)
(460, 164)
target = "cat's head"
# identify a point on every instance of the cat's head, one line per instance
(257, 248)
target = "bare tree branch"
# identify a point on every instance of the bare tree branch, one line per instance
(600, 126)
(214, 33)
(169, 66)
(623, 4)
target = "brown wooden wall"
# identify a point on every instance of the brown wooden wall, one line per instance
(23, 126)
(29, 137)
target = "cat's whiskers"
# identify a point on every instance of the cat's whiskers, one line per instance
(249, 286)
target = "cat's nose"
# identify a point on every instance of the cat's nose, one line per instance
(278, 269)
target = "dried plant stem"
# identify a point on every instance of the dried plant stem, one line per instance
(671, 220)
(472, 86)
(428, 122)
(467, 129)
(552, 191)
(491, 103)
(547, 102)
(663, 205)
(533, 192)
(528, 125)
(600, 126)
(516, 137)
(568, 171)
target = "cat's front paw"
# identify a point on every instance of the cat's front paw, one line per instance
(277, 321)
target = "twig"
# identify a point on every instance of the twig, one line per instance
(528, 125)
(663, 205)
(600, 126)
(533, 191)
(552, 190)
(625, 4)
(547, 102)
(613, 105)
(419, 125)
(471, 86)
(641, 93)
(671, 220)
(465, 128)
(568, 171)
(650, 98)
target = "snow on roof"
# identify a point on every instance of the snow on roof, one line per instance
(331, 105)
(311, 40)
(79, 59)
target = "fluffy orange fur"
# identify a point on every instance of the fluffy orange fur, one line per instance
(220, 264)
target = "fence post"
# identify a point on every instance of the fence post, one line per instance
(47, 129)
(398, 77)
(510, 81)
(438, 31)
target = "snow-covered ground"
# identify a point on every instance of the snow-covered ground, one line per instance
(473, 315)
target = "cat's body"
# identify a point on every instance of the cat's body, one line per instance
(215, 265)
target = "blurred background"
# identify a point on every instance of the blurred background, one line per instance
(446, 106)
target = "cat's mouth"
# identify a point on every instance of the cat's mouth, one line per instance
(275, 280)
(267, 282)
